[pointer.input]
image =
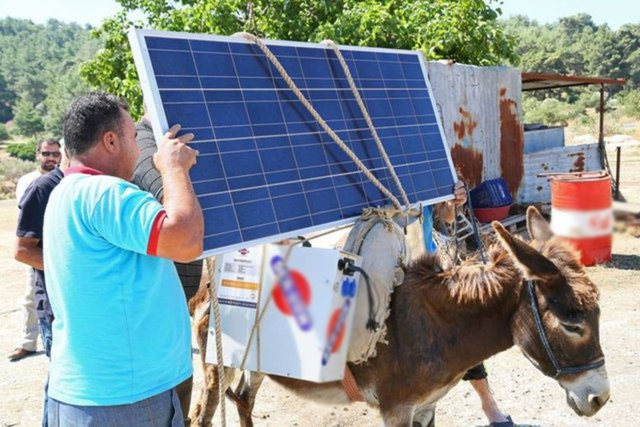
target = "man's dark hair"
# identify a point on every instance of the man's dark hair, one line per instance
(88, 117)
(48, 142)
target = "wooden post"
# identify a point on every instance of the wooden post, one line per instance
(601, 134)
(617, 193)
(601, 146)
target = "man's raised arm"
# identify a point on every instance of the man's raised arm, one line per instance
(182, 231)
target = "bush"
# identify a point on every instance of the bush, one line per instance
(630, 103)
(10, 170)
(23, 150)
(588, 100)
(550, 111)
(4, 133)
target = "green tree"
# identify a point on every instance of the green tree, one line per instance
(27, 120)
(59, 96)
(464, 30)
(34, 58)
(6, 98)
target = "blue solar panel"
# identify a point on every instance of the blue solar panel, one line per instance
(266, 169)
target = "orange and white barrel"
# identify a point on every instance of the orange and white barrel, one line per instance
(582, 213)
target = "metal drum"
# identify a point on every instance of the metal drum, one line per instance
(581, 212)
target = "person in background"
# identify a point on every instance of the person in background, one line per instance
(122, 339)
(148, 178)
(48, 157)
(28, 249)
(477, 375)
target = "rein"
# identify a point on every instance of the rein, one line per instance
(535, 309)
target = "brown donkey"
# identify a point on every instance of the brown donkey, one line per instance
(535, 295)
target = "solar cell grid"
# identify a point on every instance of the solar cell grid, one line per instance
(266, 168)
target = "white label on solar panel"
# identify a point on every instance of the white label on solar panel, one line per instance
(266, 170)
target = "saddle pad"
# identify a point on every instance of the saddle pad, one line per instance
(384, 249)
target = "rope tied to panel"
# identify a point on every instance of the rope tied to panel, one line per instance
(375, 181)
(367, 118)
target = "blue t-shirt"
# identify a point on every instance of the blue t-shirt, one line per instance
(427, 230)
(121, 331)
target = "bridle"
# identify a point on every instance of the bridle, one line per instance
(559, 370)
(535, 309)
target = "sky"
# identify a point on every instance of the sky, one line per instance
(613, 12)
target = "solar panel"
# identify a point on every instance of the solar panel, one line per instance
(266, 169)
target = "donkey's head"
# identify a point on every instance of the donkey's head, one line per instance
(556, 324)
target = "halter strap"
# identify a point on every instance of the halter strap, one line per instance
(545, 340)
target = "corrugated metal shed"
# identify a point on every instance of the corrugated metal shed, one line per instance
(482, 118)
(481, 114)
(575, 158)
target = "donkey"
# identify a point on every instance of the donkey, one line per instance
(535, 295)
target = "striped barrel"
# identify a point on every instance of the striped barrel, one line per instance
(581, 213)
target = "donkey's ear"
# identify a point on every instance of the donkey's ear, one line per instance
(533, 264)
(537, 226)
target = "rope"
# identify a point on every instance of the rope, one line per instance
(367, 118)
(271, 57)
(218, 328)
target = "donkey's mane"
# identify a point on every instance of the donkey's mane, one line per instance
(475, 283)
(470, 282)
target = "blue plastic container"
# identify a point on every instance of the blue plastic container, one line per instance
(491, 194)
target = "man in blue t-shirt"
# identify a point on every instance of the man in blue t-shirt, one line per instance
(121, 327)
(477, 375)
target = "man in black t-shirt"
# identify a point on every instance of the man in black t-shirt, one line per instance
(147, 177)
(28, 250)
(29, 241)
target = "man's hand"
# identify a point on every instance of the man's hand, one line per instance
(460, 194)
(174, 153)
(446, 211)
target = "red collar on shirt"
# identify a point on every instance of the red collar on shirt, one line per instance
(82, 169)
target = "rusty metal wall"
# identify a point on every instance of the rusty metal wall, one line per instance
(575, 158)
(481, 115)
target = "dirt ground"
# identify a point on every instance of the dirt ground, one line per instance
(521, 390)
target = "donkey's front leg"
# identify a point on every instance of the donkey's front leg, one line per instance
(206, 406)
(247, 390)
(425, 416)
(397, 415)
(209, 397)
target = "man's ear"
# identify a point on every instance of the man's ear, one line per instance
(110, 141)
(533, 264)
(537, 226)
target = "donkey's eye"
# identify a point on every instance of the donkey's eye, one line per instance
(574, 329)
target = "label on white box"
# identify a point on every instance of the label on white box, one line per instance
(240, 277)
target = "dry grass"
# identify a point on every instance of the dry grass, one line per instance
(578, 130)
(629, 169)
